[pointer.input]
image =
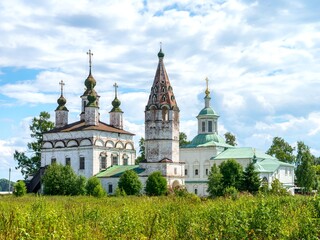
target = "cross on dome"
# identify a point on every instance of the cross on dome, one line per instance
(90, 61)
(115, 88)
(61, 83)
(207, 89)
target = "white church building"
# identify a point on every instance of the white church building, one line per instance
(95, 148)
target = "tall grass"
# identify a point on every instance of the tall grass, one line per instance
(40, 217)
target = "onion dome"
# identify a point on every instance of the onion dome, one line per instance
(92, 97)
(61, 100)
(160, 54)
(116, 102)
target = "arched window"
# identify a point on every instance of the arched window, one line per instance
(196, 172)
(125, 159)
(186, 172)
(164, 114)
(115, 159)
(103, 162)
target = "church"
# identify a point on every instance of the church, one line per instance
(106, 150)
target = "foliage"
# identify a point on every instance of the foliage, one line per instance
(156, 184)
(231, 172)
(231, 192)
(183, 139)
(60, 180)
(20, 189)
(251, 181)
(4, 184)
(142, 151)
(230, 139)
(80, 186)
(30, 165)
(60, 217)
(305, 173)
(277, 188)
(120, 192)
(215, 187)
(281, 150)
(94, 187)
(130, 183)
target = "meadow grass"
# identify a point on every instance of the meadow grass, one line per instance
(64, 217)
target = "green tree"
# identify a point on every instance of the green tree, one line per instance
(94, 187)
(156, 184)
(130, 183)
(251, 181)
(305, 173)
(183, 139)
(215, 187)
(277, 188)
(281, 150)
(230, 139)
(80, 185)
(59, 180)
(19, 189)
(30, 165)
(231, 172)
(142, 149)
(4, 184)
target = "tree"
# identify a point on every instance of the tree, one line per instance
(230, 139)
(94, 187)
(130, 183)
(277, 188)
(156, 184)
(80, 186)
(305, 173)
(183, 139)
(59, 180)
(4, 184)
(215, 182)
(20, 189)
(251, 181)
(281, 150)
(142, 149)
(30, 165)
(231, 172)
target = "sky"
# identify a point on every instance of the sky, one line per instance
(262, 59)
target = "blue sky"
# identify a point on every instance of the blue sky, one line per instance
(262, 59)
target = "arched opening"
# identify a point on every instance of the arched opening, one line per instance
(165, 114)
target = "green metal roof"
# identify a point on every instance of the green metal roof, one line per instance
(198, 182)
(118, 170)
(207, 112)
(207, 140)
(264, 163)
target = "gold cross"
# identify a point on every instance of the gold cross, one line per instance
(207, 90)
(115, 88)
(61, 83)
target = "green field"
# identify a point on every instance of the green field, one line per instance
(248, 217)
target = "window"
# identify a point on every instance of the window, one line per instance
(81, 163)
(53, 160)
(175, 171)
(68, 161)
(203, 127)
(196, 172)
(210, 126)
(185, 172)
(207, 171)
(103, 162)
(164, 114)
(110, 188)
(125, 160)
(195, 191)
(114, 159)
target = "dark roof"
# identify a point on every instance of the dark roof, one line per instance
(81, 126)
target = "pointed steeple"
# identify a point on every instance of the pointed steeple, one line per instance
(61, 111)
(116, 118)
(161, 91)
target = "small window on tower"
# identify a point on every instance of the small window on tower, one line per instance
(210, 126)
(203, 126)
(164, 114)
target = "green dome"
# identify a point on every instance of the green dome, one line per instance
(116, 105)
(160, 54)
(207, 111)
(61, 101)
(92, 97)
(203, 140)
(90, 82)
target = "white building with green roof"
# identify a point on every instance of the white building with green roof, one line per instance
(208, 148)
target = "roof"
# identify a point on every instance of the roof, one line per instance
(264, 162)
(81, 126)
(207, 111)
(118, 170)
(207, 140)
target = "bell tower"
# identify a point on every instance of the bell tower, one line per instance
(162, 129)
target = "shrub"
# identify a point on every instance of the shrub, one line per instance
(130, 183)
(19, 189)
(94, 187)
(156, 185)
(231, 192)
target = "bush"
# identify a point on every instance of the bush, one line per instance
(120, 192)
(231, 192)
(278, 189)
(156, 185)
(20, 189)
(94, 187)
(130, 183)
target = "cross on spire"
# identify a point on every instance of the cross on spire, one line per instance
(115, 88)
(61, 83)
(90, 62)
(207, 89)
(160, 45)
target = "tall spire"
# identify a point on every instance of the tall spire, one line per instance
(61, 110)
(116, 118)
(207, 98)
